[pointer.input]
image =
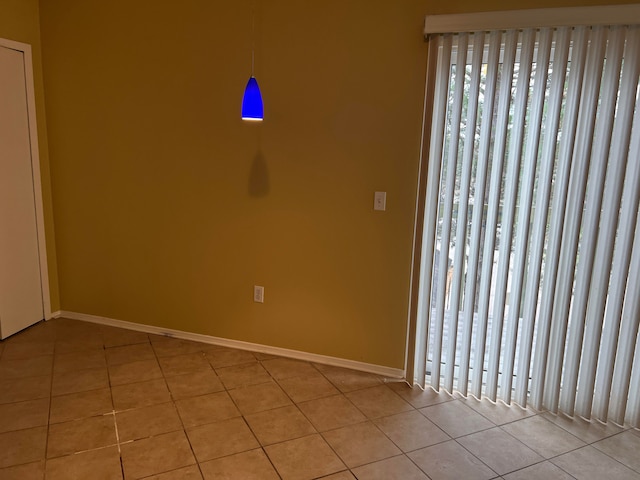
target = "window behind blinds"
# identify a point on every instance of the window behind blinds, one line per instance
(529, 286)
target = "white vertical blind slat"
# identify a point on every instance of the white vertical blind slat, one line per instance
(451, 160)
(632, 415)
(507, 221)
(419, 372)
(528, 176)
(623, 199)
(597, 244)
(461, 233)
(452, 163)
(623, 390)
(551, 334)
(484, 150)
(628, 375)
(572, 225)
(443, 46)
(558, 75)
(620, 391)
(502, 124)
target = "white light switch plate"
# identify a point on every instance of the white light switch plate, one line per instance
(380, 201)
(258, 294)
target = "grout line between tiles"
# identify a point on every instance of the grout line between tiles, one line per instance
(172, 400)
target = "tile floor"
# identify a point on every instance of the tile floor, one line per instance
(84, 401)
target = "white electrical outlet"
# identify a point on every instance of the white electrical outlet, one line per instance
(380, 201)
(258, 294)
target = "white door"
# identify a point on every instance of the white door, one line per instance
(21, 294)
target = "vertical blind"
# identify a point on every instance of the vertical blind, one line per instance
(529, 287)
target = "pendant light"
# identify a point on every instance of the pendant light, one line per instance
(252, 107)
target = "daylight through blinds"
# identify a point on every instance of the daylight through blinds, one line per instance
(529, 287)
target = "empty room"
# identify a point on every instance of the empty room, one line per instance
(270, 239)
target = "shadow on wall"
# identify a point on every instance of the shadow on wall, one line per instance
(259, 177)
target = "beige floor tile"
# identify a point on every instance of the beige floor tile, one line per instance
(308, 387)
(203, 409)
(154, 455)
(67, 352)
(417, 397)
(220, 439)
(185, 473)
(542, 436)
(280, 368)
(539, 471)
(378, 401)
(624, 447)
(348, 380)
(80, 435)
(37, 333)
(141, 394)
(499, 413)
(331, 412)
(588, 463)
(456, 419)
(361, 443)
(133, 372)
(26, 367)
(499, 450)
(227, 357)
(585, 430)
(147, 421)
(411, 430)
(396, 467)
(67, 326)
(243, 375)
(103, 464)
(304, 458)
(251, 465)
(345, 475)
(183, 364)
(72, 362)
(80, 381)
(28, 471)
(21, 389)
(129, 353)
(450, 461)
(259, 398)
(22, 446)
(192, 384)
(279, 425)
(16, 349)
(168, 347)
(21, 415)
(115, 337)
(80, 405)
(81, 342)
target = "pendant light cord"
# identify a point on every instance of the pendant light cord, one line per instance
(253, 35)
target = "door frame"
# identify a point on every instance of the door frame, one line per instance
(25, 49)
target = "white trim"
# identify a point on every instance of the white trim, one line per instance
(225, 342)
(538, 17)
(35, 168)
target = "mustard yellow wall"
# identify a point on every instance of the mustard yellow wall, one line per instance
(20, 22)
(168, 208)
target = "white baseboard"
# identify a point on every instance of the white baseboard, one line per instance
(56, 314)
(225, 342)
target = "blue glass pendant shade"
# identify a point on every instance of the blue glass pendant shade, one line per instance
(252, 108)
